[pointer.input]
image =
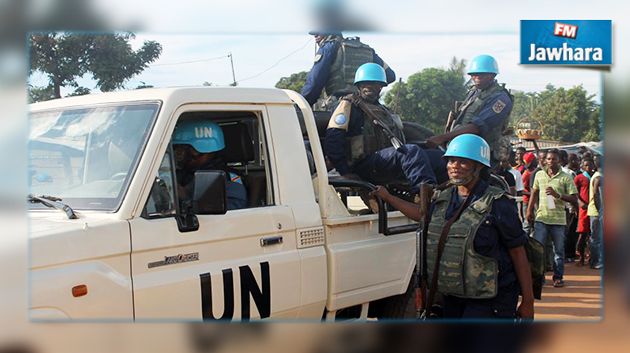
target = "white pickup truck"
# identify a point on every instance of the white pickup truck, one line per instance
(109, 239)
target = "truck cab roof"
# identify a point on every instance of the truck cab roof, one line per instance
(173, 95)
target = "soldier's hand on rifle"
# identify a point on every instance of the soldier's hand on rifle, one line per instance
(381, 192)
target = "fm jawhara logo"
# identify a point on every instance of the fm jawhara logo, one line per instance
(566, 42)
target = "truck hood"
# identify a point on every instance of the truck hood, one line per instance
(55, 239)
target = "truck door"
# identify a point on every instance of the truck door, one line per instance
(364, 265)
(240, 265)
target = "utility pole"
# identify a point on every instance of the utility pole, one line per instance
(232, 64)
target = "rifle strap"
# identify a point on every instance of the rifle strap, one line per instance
(463, 107)
(369, 110)
(441, 244)
(426, 193)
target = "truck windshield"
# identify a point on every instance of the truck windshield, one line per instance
(86, 156)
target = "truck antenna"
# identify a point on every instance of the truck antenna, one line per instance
(232, 64)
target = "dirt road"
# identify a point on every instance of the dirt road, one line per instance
(580, 298)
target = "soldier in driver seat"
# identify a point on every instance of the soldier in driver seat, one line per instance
(198, 145)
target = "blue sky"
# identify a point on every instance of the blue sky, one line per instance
(260, 60)
(269, 40)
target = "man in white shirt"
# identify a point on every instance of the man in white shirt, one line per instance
(518, 177)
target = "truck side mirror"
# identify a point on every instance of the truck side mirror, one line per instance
(209, 195)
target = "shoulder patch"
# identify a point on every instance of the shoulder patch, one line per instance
(235, 178)
(498, 106)
(318, 57)
(341, 116)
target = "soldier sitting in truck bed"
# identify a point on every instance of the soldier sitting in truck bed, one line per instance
(365, 139)
(485, 111)
(197, 146)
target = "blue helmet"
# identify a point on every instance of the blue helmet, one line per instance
(483, 64)
(203, 136)
(370, 72)
(469, 146)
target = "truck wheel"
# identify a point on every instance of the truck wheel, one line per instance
(415, 132)
(398, 307)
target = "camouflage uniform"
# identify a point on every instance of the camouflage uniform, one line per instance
(476, 273)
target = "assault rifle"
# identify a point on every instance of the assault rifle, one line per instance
(452, 116)
(426, 192)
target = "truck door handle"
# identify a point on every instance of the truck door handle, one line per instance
(271, 241)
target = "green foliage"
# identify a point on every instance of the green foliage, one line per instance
(38, 94)
(429, 95)
(109, 58)
(567, 115)
(112, 60)
(79, 91)
(295, 82)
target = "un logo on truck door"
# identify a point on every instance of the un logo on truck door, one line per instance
(260, 294)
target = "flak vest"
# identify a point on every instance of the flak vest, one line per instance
(498, 143)
(351, 54)
(462, 271)
(375, 137)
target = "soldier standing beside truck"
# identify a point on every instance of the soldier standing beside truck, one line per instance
(335, 63)
(476, 221)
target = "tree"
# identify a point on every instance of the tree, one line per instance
(38, 94)
(567, 115)
(458, 66)
(295, 82)
(109, 58)
(79, 91)
(428, 95)
(524, 103)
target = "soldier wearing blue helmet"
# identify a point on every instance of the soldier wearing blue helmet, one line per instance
(475, 246)
(484, 112)
(365, 140)
(335, 63)
(197, 145)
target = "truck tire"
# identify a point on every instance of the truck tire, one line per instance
(415, 132)
(397, 307)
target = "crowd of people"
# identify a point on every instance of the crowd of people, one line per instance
(565, 202)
